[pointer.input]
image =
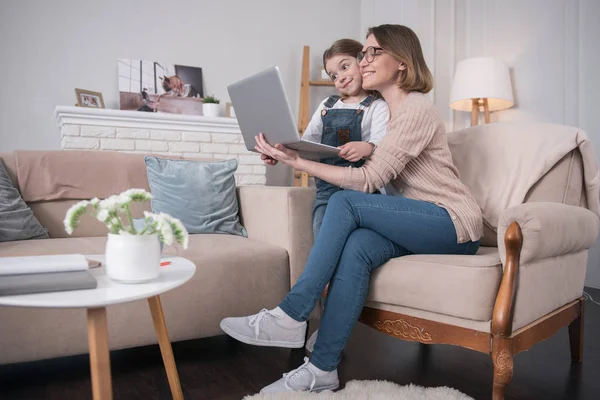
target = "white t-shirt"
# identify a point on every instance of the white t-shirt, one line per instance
(373, 126)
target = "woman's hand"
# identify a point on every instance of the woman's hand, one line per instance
(270, 154)
(354, 151)
(268, 160)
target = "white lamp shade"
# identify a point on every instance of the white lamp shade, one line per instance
(479, 78)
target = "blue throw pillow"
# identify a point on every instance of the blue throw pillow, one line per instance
(200, 194)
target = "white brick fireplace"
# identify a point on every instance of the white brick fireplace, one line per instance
(159, 133)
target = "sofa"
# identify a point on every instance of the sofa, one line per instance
(234, 275)
(538, 187)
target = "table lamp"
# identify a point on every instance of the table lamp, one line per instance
(481, 83)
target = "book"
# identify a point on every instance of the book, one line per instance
(42, 264)
(47, 282)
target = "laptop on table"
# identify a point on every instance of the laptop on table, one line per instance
(261, 105)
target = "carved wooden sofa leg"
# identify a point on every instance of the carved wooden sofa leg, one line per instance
(502, 342)
(503, 365)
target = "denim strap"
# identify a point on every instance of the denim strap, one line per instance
(331, 101)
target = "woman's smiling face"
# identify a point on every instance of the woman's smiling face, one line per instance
(382, 71)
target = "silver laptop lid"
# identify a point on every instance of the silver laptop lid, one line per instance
(261, 105)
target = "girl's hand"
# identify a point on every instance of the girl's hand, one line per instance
(277, 153)
(354, 151)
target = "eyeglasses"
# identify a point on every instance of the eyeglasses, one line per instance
(369, 54)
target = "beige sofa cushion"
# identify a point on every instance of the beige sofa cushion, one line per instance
(563, 183)
(234, 276)
(455, 285)
(506, 164)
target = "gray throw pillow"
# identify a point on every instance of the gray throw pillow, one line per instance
(17, 221)
(200, 194)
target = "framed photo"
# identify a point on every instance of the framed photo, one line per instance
(160, 86)
(87, 98)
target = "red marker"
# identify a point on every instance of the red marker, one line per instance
(165, 263)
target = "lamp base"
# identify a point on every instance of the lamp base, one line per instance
(475, 110)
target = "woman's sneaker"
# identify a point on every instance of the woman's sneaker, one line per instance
(267, 328)
(306, 378)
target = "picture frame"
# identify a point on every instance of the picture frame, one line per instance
(88, 98)
(160, 86)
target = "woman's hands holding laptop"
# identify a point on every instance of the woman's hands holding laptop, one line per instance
(271, 155)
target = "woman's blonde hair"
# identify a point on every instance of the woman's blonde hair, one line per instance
(402, 43)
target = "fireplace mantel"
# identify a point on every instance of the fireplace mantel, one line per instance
(219, 138)
(143, 120)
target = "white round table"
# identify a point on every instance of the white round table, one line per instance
(108, 293)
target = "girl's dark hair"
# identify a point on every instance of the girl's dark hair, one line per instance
(402, 43)
(348, 47)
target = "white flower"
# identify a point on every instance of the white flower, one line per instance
(123, 199)
(109, 204)
(102, 215)
(73, 215)
(137, 194)
(166, 232)
(110, 210)
(181, 234)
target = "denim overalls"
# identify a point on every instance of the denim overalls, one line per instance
(340, 126)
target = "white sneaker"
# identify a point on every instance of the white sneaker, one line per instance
(306, 378)
(310, 343)
(267, 328)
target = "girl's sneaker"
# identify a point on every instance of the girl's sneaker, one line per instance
(306, 378)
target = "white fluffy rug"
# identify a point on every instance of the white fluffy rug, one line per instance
(371, 390)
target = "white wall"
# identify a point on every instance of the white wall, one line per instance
(551, 47)
(51, 47)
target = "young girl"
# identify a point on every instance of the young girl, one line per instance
(355, 121)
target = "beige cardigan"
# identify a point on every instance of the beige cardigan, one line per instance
(415, 159)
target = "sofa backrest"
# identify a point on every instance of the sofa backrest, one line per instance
(77, 168)
(562, 183)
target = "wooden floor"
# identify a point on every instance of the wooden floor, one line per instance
(221, 368)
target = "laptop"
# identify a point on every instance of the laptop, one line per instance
(261, 105)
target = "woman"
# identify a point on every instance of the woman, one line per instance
(429, 212)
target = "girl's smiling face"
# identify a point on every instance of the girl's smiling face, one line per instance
(345, 74)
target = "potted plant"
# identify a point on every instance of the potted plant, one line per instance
(132, 255)
(210, 108)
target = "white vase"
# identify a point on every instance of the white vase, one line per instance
(210, 109)
(132, 258)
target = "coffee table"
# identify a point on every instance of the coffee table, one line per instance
(109, 293)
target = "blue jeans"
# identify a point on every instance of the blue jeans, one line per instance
(360, 232)
(324, 192)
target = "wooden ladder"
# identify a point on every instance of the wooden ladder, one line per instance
(301, 178)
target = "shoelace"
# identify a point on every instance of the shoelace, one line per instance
(292, 375)
(264, 314)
